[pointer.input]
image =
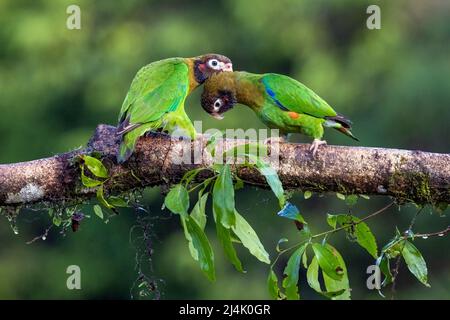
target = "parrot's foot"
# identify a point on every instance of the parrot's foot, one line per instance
(315, 146)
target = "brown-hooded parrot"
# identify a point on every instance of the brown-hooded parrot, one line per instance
(279, 101)
(155, 100)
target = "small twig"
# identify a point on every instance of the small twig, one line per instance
(433, 234)
(398, 262)
(396, 270)
(42, 236)
(363, 219)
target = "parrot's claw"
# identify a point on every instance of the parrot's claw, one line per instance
(315, 146)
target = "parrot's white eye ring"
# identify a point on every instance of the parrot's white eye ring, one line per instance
(214, 64)
(218, 104)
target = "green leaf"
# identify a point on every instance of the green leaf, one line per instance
(312, 276)
(415, 262)
(201, 245)
(357, 230)
(192, 250)
(383, 263)
(305, 260)
(332, 220)
(364, 196)
(307, 195)
(198, 212)
(95, 166)
(117, 202)
(101, 198)
(223, 198)
(57, 220)
(365, 237)
(335, 287)
(282, 240)
(98, 211)
(273, 180)
(89, 182)
(224, 236)
(250, 239)
(177, 200)
(340, 196)
(328, 261)
(351, 200)
(291, 273)
(190, 175)
(239, 184)
(272, 285)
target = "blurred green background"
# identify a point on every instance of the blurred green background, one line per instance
(57, 84)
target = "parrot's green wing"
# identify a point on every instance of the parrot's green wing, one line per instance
(157, 88)
(290, 95)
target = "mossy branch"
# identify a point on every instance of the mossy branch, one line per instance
(407, 176)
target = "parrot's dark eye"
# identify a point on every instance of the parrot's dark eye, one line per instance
(214, 64)
(217, 104)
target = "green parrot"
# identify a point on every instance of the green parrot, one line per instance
(279, 101)
(155, 100)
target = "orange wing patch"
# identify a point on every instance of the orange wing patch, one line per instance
(293, 115)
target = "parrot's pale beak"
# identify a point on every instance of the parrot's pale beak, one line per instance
(226, 67)
(217, 116)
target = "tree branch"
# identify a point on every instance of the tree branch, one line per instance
(416, 176)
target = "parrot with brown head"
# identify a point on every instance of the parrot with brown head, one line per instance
(279, 101)
(155, 100)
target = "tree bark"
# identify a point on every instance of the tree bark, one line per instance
(408, 176)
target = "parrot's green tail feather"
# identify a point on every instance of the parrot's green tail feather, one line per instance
(347, 132)
(126, 149)
(129, 140)
(341, 124)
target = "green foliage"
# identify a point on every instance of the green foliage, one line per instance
(249, 239)
(272, 180)
(312, 276)
(328, 261)
(272, 285)
(223, 198)
(198, 213)
(415, 262)
(224, 236)
(340, 196)
(355, 229)
(97, 169)
(95, 166)
(201, 248)
(231, 227)
(335, 285)
(98, 211)
(351, 200)
(291, 273)
(177, 200)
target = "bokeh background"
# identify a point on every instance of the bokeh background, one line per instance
(57, 84)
